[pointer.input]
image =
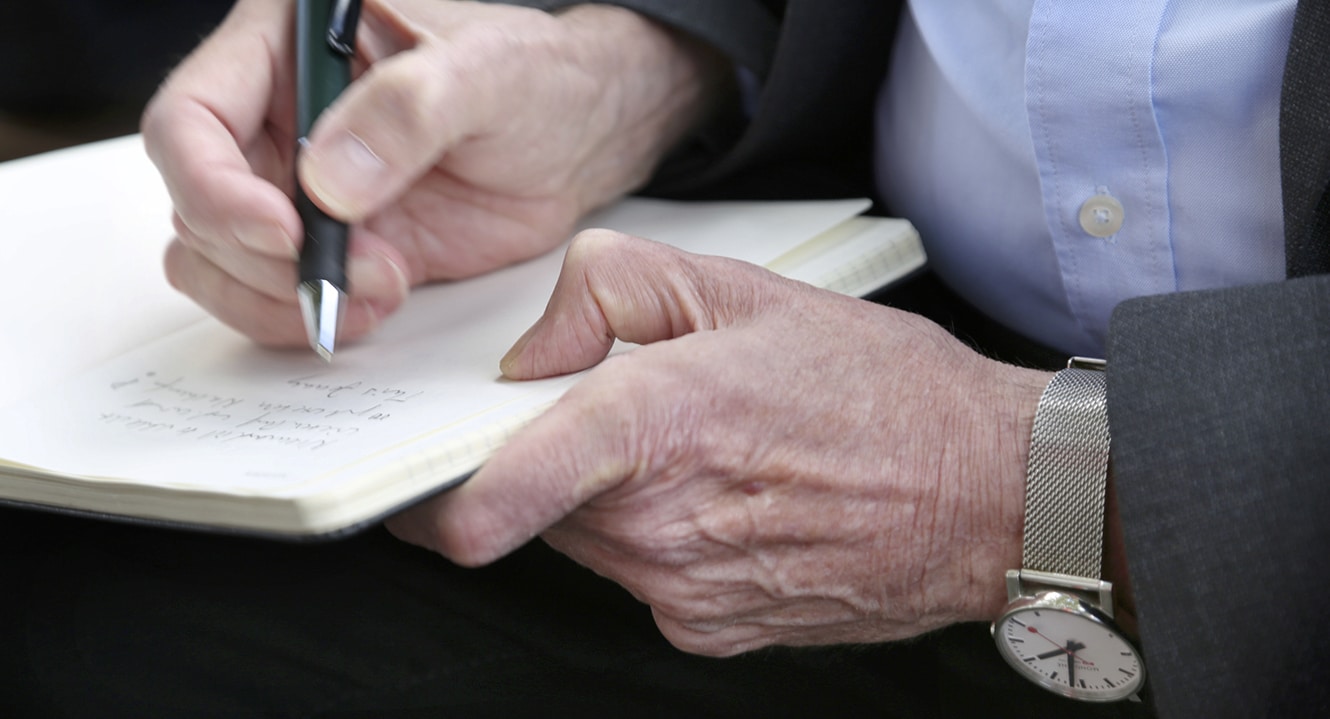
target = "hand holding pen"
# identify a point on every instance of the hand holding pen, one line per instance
(472, 136)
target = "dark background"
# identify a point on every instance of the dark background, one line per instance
(81, 70)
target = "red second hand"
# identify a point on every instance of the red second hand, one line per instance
(1059, 646)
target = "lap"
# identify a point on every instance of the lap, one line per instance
(100, 619)
(106, 620)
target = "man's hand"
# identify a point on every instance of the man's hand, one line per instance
(775, 465)
(475, 135)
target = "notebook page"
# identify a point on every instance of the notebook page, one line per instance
(82, 232)
(205, 408)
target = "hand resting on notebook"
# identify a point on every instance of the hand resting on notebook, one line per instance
(777, 464)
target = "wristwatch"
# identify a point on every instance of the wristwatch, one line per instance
(1057, 630)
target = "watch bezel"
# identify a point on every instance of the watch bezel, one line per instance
(1067, 603)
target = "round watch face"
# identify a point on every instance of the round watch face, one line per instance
(1067, 646)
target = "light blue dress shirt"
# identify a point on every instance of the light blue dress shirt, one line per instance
(1061, 156)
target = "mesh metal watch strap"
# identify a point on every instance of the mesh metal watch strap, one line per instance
(1068, 472)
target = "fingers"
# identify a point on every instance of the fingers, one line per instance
(397, 119)
(605, 431)
(208, 129)
(217, 197)
(374, 267)
(220, 133)
(266, 319)
(615, 286)
(264, 306)
(561, 460)
(792, 628)
(380, 136)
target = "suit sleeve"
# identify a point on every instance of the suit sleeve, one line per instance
(1218, 403)
(809, 134)
(745, 30)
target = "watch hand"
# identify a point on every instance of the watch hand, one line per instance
(1074, 646)
(1071, 668)
(1068, 650)
(1045, 638)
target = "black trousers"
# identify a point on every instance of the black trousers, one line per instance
(101, 619)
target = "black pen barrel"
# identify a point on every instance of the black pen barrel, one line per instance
(322, 72)
(323, 256)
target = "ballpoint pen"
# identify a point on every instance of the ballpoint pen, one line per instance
(325, 41)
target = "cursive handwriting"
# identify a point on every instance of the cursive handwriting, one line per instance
(304, 413)
(332, 390)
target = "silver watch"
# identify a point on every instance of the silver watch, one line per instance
(1057, 630)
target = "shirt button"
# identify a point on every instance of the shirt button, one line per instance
(1101, 215)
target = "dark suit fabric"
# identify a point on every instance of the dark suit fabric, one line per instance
(1218, 400)
(1304, 143)
(1222, 462)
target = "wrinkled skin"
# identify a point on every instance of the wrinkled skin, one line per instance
(474, 136)
(776, 465)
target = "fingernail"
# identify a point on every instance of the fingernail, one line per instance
(265, 237)
(342, 174)
(375, 276)
(510, 357)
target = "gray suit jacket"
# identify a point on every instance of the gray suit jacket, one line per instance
(1218, 400)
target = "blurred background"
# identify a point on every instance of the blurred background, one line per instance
(76, 71)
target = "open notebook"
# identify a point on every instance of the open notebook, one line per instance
(119, 398)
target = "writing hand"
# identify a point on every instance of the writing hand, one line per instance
(475, 135)
(775, 465)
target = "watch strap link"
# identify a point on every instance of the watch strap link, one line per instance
(1068, 473)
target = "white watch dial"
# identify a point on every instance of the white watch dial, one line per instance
(1066, 646)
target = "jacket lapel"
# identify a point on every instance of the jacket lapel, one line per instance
(1304, 141)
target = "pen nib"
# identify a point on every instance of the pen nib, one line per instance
(321, 306)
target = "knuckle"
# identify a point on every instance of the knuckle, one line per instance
(277, 328)
(405, 97)
(161, 115)
(600, 260)
(152, 120)
(732, 524)
(186, 234)
(175, 263)
(692, 641)
(598, 245)
(684, 612)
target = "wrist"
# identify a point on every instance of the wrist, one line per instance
(1015, 398)
(660, 85)
(1060, 596)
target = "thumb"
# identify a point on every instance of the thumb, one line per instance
(387, 129)
(614, 286)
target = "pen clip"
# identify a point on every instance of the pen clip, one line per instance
(342, 26)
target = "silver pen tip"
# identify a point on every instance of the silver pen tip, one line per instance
(321, 306)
